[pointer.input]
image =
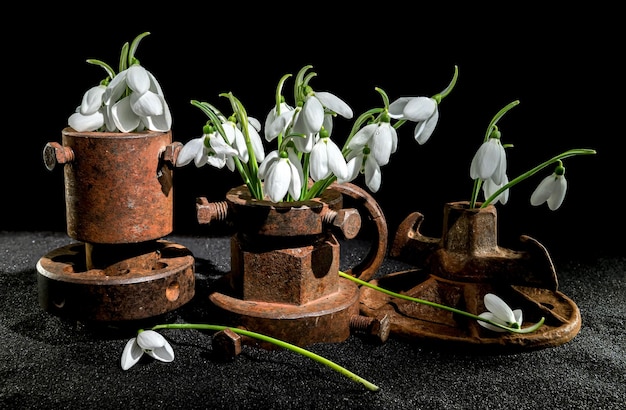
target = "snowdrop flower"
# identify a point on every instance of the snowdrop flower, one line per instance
(277, 120)
(237, 139)
(490, 188)
(499, 312)
(551, 189)
(131, 100)
(381, 138)
(311, 118)
(210, 149)
(326, 158)
(360, 161)
(149, 342)
(489, 162)
(282, 173)
(89, 114)
(422, 110)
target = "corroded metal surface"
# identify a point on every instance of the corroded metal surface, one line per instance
(284, 278)
(118, 186)
(128, 283)
(457, 270)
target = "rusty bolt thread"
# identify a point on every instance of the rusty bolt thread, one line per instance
(54, 153)
(346, 221)
(379, 328)
(208, 212)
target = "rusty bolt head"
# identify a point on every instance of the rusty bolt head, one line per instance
(348, 221)
(54, 153)
(171, 151)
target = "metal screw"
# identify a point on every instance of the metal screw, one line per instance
(54, 153)
(347, 221)
(208, 212)
(378, 328)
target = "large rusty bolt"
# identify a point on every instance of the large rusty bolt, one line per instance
(207, 212)
(345, 222)
(54, 153)
(379, 329)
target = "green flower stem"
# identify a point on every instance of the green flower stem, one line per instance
(278, 342)
(531, 172)
(437, 305)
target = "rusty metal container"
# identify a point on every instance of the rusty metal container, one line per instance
(118, 187)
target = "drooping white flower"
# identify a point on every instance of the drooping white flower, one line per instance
(282, 173)
(311, 118)
(490, 188)
(210, 149)
(145, 107)
(359, 161)
(423, 111)
(89, 114)
(277, 120)
(381, 138)
(499, 312)
(551, 189)
(326, 158)
(489, 162)
(149, 342)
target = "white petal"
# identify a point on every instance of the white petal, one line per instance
(124, 117)
(146, 104)
(490, 316)
(164, 353)
(334, 103)
(419, 109)
(373, 177)
(192, 150)
(84, 123)
(424, 130)
(499, 308)
(311, 117)
(131, 354)
(161, 122)
(336, 161)
(92, 100)
(543, 190)
(519, 316)
(558, 193)
(137, 79)
(381, 144)
(277, 180)
(255, 141)
(266, 164)
(149, 339)
(115, 89)
(319, 161)
(485, 161)
(362, 137)
(396, 108)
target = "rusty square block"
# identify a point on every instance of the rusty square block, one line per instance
(292, 275)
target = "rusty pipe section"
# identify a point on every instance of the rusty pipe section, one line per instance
(118, 186)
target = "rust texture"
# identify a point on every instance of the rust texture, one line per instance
(128, 286)
(284, 278)
(457, 270)
(118, 186)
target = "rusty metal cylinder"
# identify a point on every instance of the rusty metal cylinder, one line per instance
(118, 187)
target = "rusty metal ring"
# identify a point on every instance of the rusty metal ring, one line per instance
(376, 255)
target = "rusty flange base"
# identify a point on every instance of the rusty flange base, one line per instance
(324, 320)
(417, 322)
(139, 287)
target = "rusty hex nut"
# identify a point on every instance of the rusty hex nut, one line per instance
(348, 222)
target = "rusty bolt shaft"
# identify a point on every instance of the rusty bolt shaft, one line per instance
(208, 212)
(378, 328)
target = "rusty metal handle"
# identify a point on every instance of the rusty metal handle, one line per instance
(369, 266)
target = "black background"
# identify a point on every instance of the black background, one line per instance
(561, 65)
